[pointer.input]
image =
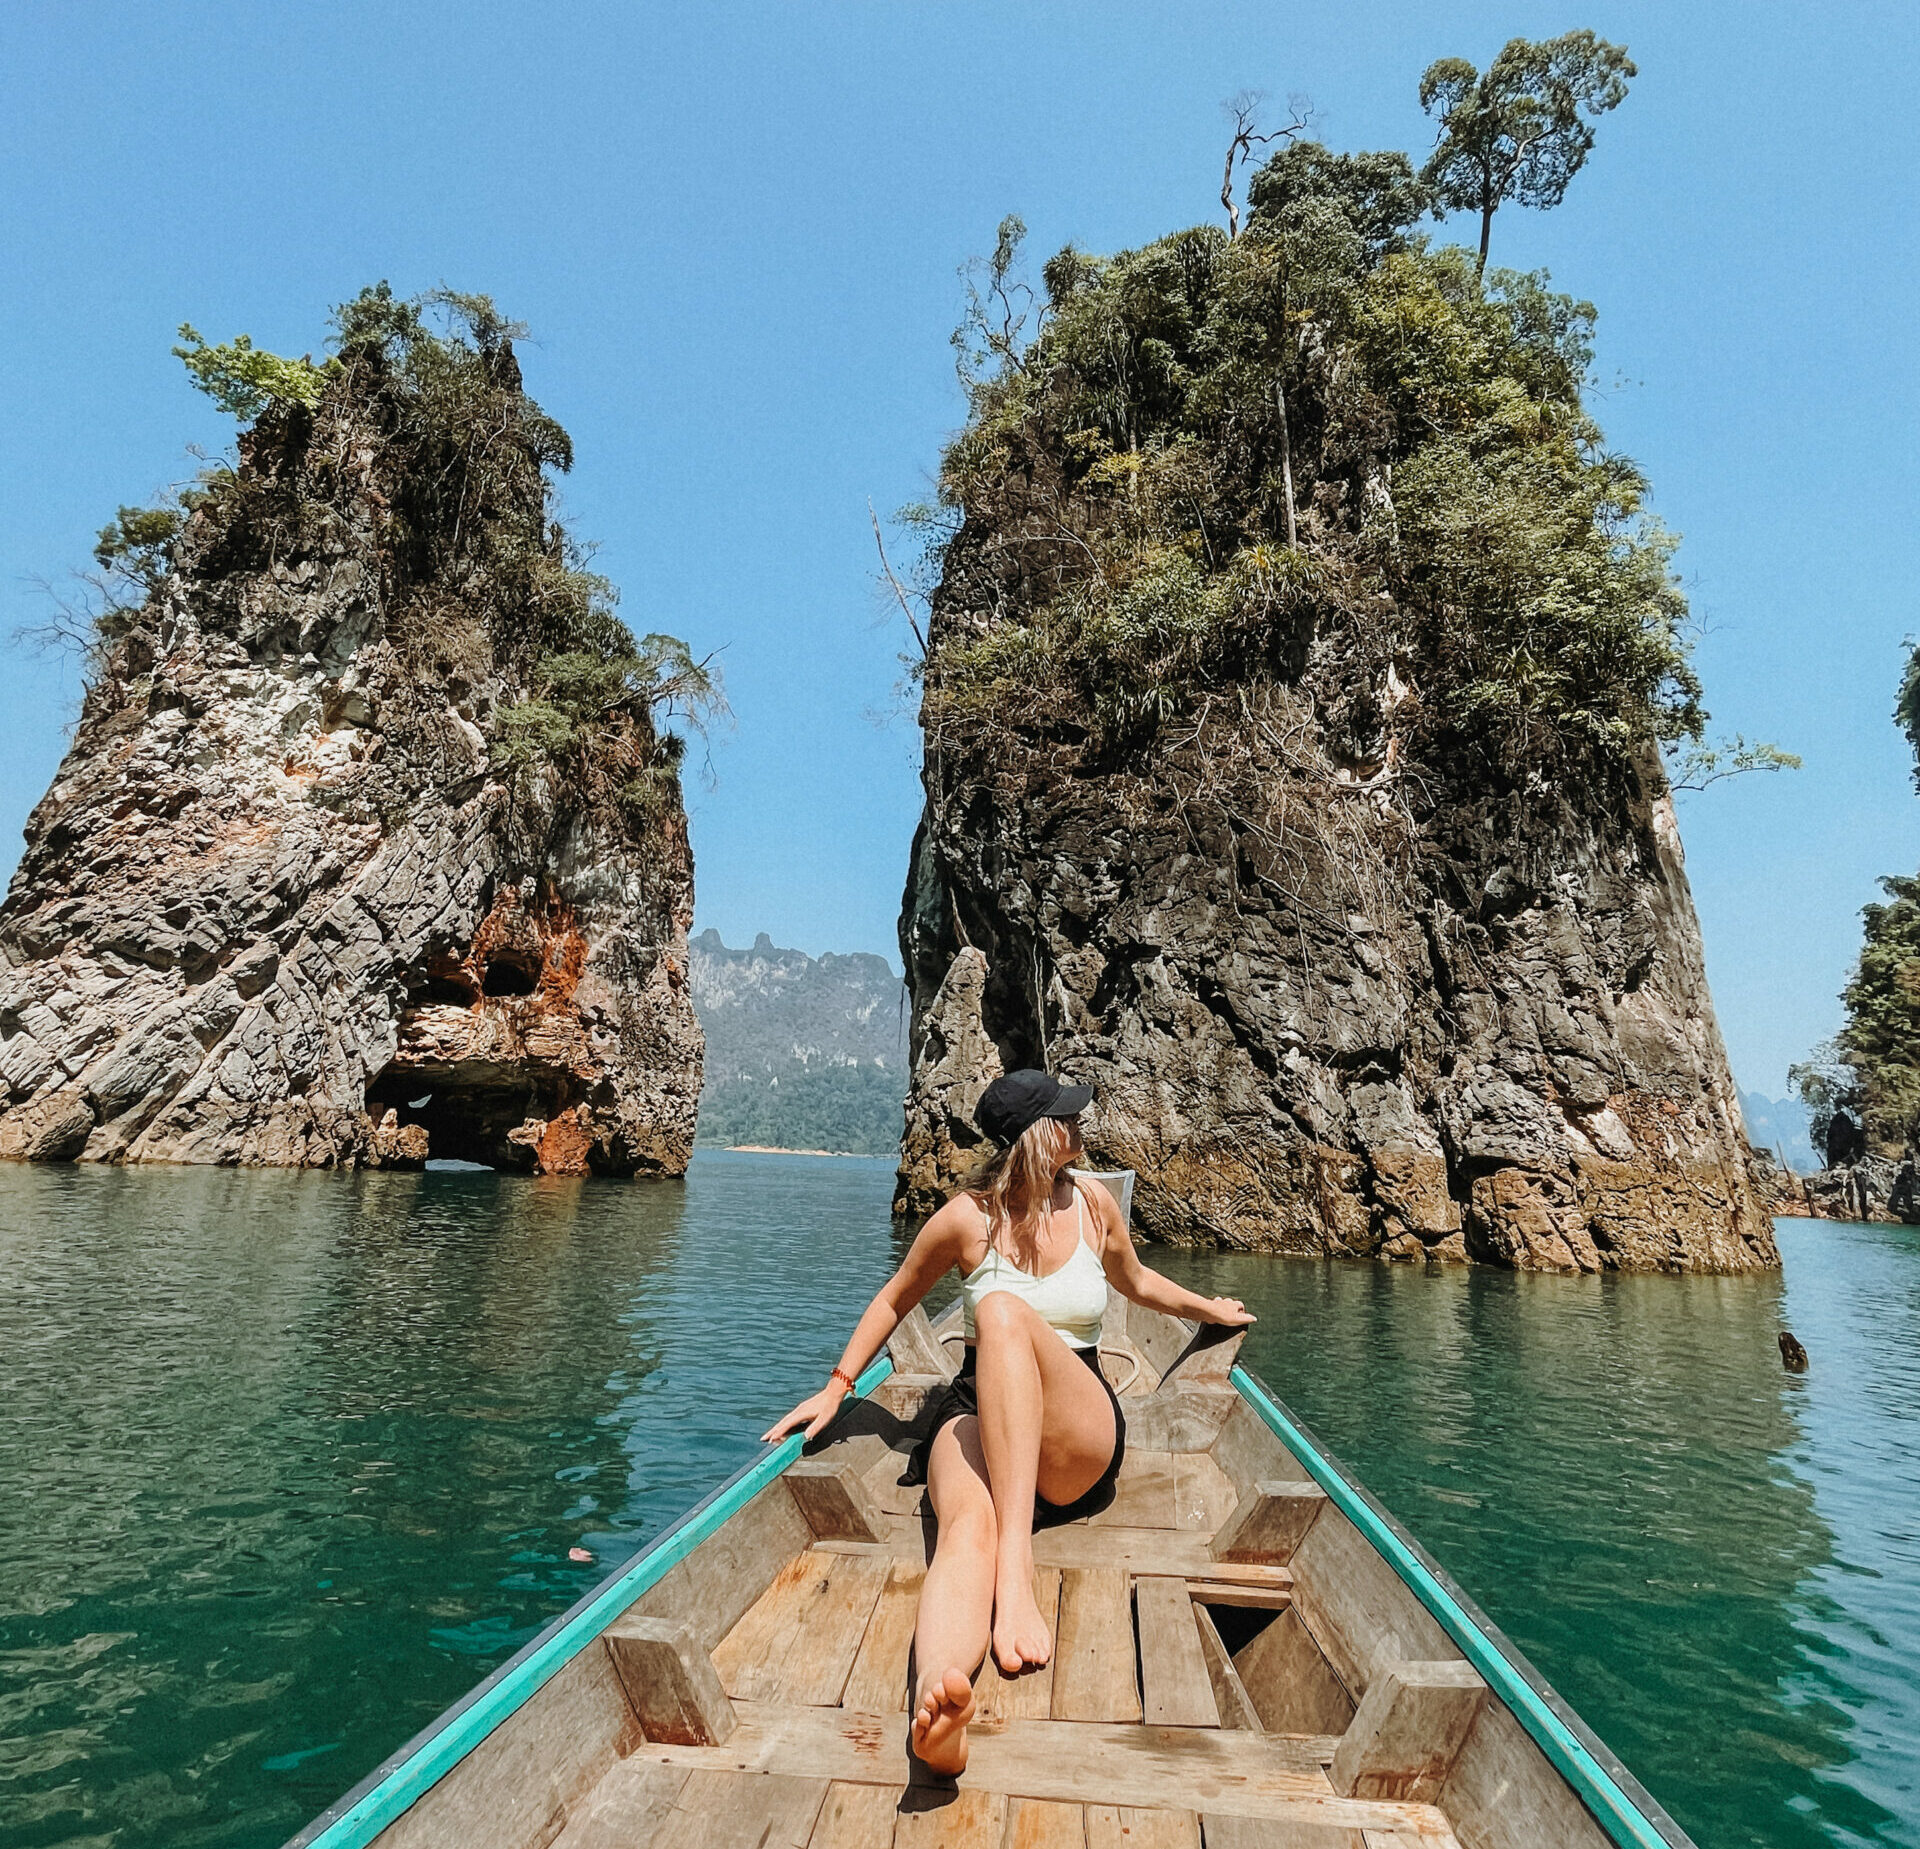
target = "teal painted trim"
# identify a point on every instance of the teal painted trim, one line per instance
(1612, 1808)
(401, 1784)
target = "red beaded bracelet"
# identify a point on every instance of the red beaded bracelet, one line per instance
(841, 1375)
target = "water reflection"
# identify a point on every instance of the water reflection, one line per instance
(289, 1461)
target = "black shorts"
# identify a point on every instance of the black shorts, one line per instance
(961, 1396)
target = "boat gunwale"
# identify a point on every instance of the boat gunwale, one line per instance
(1629, 1814)
(405, 1776)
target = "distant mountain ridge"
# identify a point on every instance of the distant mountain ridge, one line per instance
(802, 1052)
(1780, 1124)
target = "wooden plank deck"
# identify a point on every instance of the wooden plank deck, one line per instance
(878, 1684)
(1117, 1744)
(1215, 1770)
(797, 1641)
(1026, 1697)
(1087, 1544)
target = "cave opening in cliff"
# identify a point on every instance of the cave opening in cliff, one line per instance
(510, 974)
(467, 1113)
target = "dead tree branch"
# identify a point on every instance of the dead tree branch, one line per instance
(1244, 113)
(893, 584)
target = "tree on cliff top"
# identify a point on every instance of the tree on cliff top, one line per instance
(1524, 128)
(1871, 1068)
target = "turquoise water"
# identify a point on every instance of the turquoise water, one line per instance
(287, 1462)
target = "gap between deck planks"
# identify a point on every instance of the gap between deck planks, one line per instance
(1168, 1553)
(1212, 1770)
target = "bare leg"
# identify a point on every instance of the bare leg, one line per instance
(956, 1602)
(1046, 1425)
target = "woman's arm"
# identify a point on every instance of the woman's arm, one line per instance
(1140, 1285)
(933, 1253)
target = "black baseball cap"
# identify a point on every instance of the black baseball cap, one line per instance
(1016, 1102)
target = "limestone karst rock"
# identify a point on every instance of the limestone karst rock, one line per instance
(284, 902)
(1507, 1052)
(1298, 668)
(1870, 1187)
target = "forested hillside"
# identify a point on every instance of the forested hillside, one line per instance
(802, 1052)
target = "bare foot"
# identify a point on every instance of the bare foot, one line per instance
(1020, 1636)
(940, 1726)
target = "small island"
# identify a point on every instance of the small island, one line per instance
(1303, 691)
(369, 847)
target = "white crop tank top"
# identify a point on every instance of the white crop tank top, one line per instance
(1072, 1300)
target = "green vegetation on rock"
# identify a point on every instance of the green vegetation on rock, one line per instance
(138, 543)
(1871, 1068)
(479, 577)
(1450, 497)
(1189, 466)
(244, 380)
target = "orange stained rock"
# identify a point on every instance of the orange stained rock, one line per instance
(544, 936)
(565, 1145)
(566, 960)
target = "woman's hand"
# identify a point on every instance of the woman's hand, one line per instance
(815, 1413)
(1228, 1310)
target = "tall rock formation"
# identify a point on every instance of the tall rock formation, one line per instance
(1293, 693)
(301, 893)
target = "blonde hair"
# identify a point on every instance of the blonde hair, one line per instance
(1015, 1184)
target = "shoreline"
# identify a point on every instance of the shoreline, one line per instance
(774, 1149)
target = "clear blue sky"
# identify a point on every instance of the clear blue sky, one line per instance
(735, 231)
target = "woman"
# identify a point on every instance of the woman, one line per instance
(1029, 1427)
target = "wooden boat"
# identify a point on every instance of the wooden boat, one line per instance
(1248, 1651)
